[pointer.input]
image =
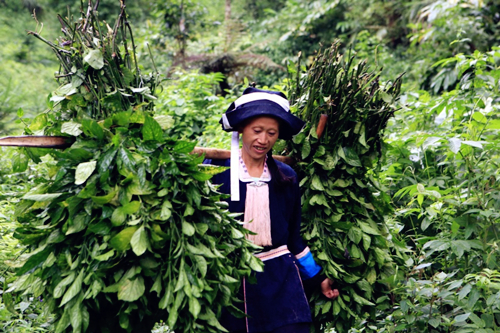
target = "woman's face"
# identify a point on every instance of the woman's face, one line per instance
(259, 136)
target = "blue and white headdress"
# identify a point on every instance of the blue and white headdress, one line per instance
(253, 103)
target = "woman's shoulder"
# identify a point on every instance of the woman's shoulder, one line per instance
(286, 169)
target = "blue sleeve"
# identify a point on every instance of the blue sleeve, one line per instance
(307, 266)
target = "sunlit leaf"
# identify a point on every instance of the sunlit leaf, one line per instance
(139, 241)
(83, 171)
(151, 130)
(71, 128)
(74, 289)
(41, 197)
(121, 241)
(94, 58)
(131, 290)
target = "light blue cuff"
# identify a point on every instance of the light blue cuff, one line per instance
(307, 266)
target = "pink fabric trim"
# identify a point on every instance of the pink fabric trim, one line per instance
(303, 253)
(274, 253)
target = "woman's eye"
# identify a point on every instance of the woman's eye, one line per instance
(272, 133)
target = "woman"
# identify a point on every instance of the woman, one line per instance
(268, 194)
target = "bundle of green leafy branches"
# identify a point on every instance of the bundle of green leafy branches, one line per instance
(124, 230)
(343, 205)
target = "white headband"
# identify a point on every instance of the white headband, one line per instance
(283, 102)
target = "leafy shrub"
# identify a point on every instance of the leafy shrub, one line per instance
(343, 205)
(442, 171)
(124, 230)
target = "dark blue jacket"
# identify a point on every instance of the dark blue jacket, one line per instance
(278, 298)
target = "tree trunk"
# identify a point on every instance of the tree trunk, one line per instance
(227, 23)
(227, 17)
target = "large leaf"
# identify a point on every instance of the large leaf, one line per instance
(41, 197)
(139, 241)
(35, 260)
(71, 128)
(184, 147)
(83, 171)
(121, 241)
(131, 290)
(74, 289)
(151, 130)
(94, 58)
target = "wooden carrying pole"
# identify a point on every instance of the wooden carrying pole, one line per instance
(61, 142)
(37, 141)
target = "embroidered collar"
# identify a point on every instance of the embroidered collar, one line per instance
(245, 177)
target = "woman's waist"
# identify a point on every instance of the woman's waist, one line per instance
(269, 254)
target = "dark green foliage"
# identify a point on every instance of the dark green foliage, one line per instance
(343, 205)
(124, 230)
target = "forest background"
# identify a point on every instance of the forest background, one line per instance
(439, 169)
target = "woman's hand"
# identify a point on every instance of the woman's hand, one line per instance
(327, 290)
